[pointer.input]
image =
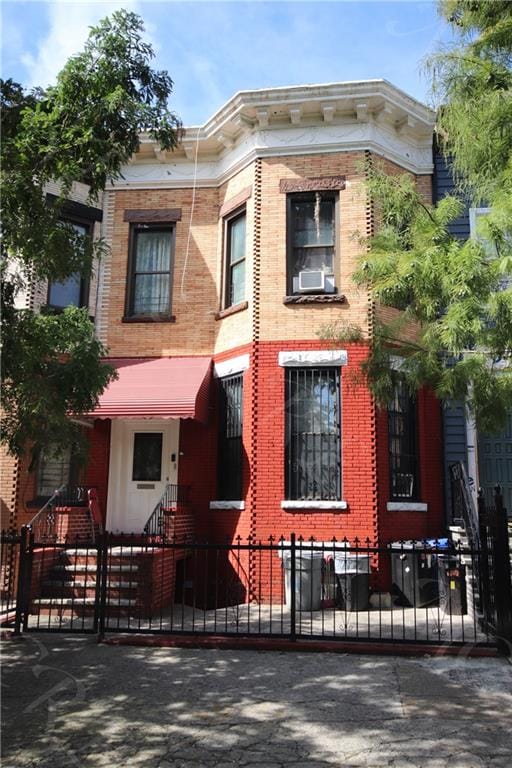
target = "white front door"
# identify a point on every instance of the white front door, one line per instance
(143, 459)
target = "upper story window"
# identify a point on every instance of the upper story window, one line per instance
(311, 218)
(74, 290)
(313, 433)
(150, 270)
(235, 247)
(403, 444)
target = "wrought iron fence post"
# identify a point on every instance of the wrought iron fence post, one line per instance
(502, 578)
(485, 584)
(23, 587)
(293, 634)
(101, 600)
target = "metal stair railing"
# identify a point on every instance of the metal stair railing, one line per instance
(157, 523)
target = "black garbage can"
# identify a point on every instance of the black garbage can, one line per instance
(452, 585)
(414, 573)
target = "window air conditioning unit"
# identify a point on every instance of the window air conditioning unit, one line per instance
(315, 281)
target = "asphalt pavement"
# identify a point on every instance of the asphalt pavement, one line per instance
(71, 703)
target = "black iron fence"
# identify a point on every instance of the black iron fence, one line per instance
(419, 592)
(431, 592)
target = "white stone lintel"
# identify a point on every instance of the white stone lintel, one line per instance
(314, 504)
(313, 359)
(227, 504)
(230, 367)
(407, 506)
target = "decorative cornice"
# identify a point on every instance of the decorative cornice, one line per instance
(355, 116)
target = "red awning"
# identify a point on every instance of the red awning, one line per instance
(157, 388)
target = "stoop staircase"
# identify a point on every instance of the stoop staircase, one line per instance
(73, 582)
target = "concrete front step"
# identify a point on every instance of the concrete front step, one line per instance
(55, 583)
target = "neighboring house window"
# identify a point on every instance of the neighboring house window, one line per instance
(313, 433)
(151, 267)
(230, 438)
(311, 242)
(403, 444)
(235, 259)
(73, 291)
(54, 471)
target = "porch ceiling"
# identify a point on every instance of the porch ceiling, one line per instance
(159, 388)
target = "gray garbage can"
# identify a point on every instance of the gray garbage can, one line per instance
(353, 580)
(308, 579)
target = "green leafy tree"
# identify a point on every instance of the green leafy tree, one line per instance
(82, 129)
(453, 293)
(450, 293)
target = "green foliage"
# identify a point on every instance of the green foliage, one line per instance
(472, 81)
(82, 129)
(453, 290)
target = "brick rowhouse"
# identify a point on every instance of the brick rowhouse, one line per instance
(260, 149)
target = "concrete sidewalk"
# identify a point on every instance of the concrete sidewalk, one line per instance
(70, 702)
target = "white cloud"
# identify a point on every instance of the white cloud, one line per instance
(69, 29)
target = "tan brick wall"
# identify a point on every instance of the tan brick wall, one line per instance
(199, 276)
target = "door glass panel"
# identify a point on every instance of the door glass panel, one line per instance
(147, 456)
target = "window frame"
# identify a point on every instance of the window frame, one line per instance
(84, 281)
(135, 228)
(225, 490)
(292, 375)
(397, 460)
(290, 261)
(227, 222)
(75, 474)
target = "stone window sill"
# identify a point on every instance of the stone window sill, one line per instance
(324, 298)
(314, 504)
(149, 319)
(407, 506)
(227, 504)
(231, 310)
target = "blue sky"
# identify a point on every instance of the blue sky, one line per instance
(214, 49)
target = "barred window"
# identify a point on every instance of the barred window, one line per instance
(313, 433)
(402, 441)
(230, 438)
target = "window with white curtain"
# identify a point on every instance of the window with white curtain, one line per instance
(151, 271)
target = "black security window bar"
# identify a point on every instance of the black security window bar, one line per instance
(147, 456)
(71, 292)
(312, 232)
(151, 263)
(55, 469)
(230, 438)
(403, 447)
(313, 434)
(235, 260)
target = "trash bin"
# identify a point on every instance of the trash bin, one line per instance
(414, 572)
(452, 585)
(308, 579)
(353, 580)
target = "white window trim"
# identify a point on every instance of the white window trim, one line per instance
(227, 504)
(313, 504)
(230, 367)
(407, 506)
(313, 359)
